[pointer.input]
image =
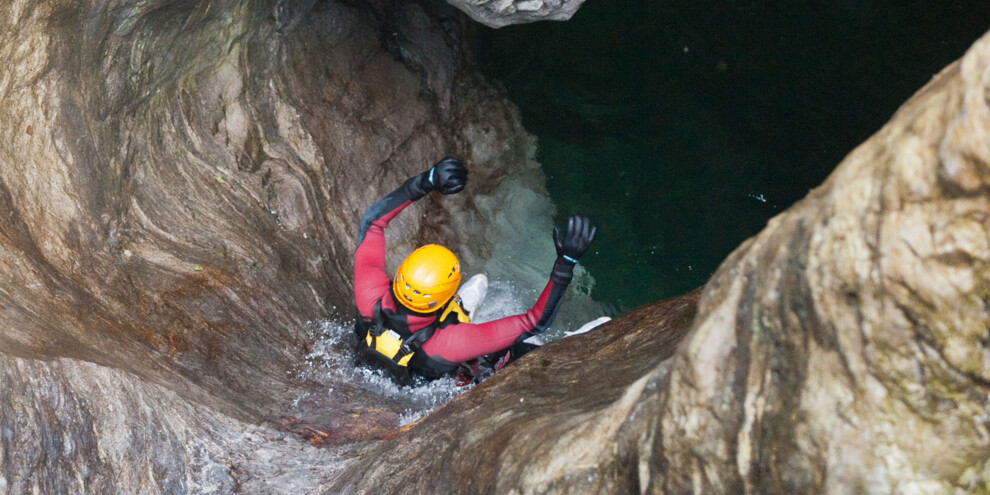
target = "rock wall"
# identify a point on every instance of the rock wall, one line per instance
(181, 181)
(180, 184)
(844, 349)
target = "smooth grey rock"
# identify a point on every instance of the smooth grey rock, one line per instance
(501, 13)
(529, 5)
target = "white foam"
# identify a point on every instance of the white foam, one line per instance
(332, 359)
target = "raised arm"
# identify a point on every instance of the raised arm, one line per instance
(463, 342)
(371, 281)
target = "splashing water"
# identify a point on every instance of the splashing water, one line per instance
(504, 299)
(332, 358)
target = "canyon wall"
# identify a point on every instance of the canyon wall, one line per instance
(180, 184)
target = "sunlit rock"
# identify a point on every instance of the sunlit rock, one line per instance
(850, 338)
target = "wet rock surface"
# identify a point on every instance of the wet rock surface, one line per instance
(179, 187)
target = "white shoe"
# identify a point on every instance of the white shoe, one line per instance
(473, 292)
(589, 326)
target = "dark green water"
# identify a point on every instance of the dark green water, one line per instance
(682, 126)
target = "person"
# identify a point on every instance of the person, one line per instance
(414, 322)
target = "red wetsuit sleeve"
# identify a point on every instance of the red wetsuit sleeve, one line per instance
(371, 281)
(466, 341)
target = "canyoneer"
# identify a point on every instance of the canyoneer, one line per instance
(419, 322)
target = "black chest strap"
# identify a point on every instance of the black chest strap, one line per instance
(415, 342)
(411, 341)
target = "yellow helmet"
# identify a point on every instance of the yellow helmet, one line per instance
(427, 278)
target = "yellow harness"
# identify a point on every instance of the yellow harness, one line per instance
(388, 344)
(454, 306)
(391, 345)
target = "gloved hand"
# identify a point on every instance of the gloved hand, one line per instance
(578, 238)
(448, 176)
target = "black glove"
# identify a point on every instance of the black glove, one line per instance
(570, 247)
(573, 244)
(448, 176)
